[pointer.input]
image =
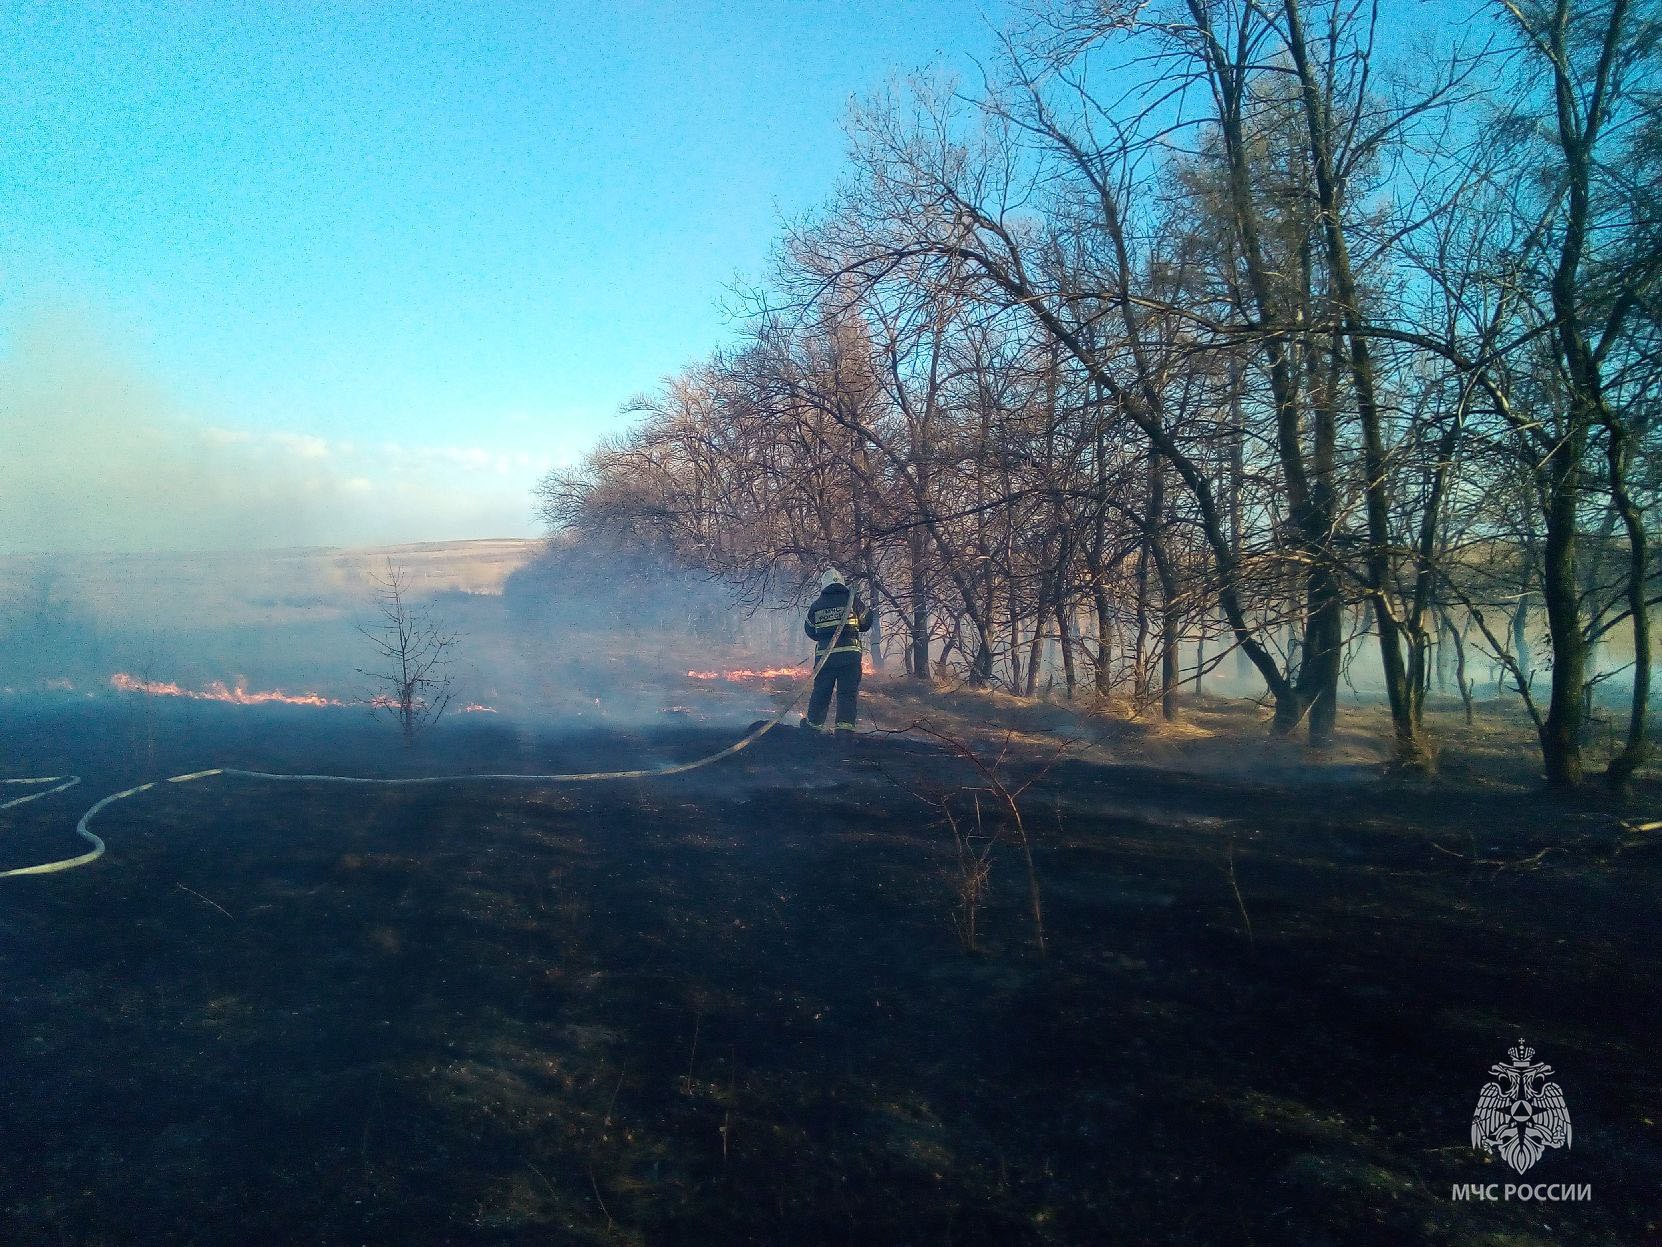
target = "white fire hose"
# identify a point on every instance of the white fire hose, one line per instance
(84, 831)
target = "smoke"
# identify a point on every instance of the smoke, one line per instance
(138, 540)
(97, 458)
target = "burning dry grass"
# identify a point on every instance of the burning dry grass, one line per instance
(1214, 735)
(237, 694)
(743, 674)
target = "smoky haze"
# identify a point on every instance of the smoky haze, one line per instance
(139, 540)
(99, 458)
(549, 632)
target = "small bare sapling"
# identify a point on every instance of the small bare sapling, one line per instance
(411, 679)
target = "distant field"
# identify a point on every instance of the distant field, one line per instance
(230, 588)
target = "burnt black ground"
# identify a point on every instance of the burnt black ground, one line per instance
(730, 1007)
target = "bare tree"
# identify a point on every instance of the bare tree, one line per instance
(1210, 324)
(1589, 61)
(414, 652)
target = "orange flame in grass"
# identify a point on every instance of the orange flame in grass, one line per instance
(218, 690)
(742, 674)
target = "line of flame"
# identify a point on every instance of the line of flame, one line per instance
(743, 673)
(218, 690)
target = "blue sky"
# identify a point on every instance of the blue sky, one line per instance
(418, 252)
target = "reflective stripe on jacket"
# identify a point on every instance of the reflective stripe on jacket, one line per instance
(827, 612)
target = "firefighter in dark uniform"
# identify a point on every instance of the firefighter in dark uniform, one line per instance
(840, 671)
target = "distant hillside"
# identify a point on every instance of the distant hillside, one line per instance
(221, 588)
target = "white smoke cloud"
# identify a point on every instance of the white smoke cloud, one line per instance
(95, 458)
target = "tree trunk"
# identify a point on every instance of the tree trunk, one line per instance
(919, 640)
(1566, 714)
(1443, 659)
(1139, 644)
(1169, 655)
(1035, 656)
(1064, 632)
(1411, 749)
(1104, 674)
(1457, 640)
(1634, 751)
(1520, 629)
(1170, 624)
(1320, 658)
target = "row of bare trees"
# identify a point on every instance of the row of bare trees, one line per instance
(1209, 328)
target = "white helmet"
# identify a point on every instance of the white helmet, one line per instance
(831, 577)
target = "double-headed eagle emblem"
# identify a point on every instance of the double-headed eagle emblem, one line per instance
(1520, 1116)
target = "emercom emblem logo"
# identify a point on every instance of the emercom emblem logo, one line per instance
(1520, 1116)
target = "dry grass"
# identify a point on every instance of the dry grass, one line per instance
(1232, 736)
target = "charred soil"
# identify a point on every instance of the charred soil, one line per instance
(731, 1006)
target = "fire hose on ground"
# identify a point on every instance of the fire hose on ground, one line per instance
(83, 829)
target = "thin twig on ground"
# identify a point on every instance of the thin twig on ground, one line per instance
(204, 899)
(589, 1169)
(1008, 796)
(698, 1022)
(612, 1103)
(544, 1178)
(1236, 888)
(1522, 863)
